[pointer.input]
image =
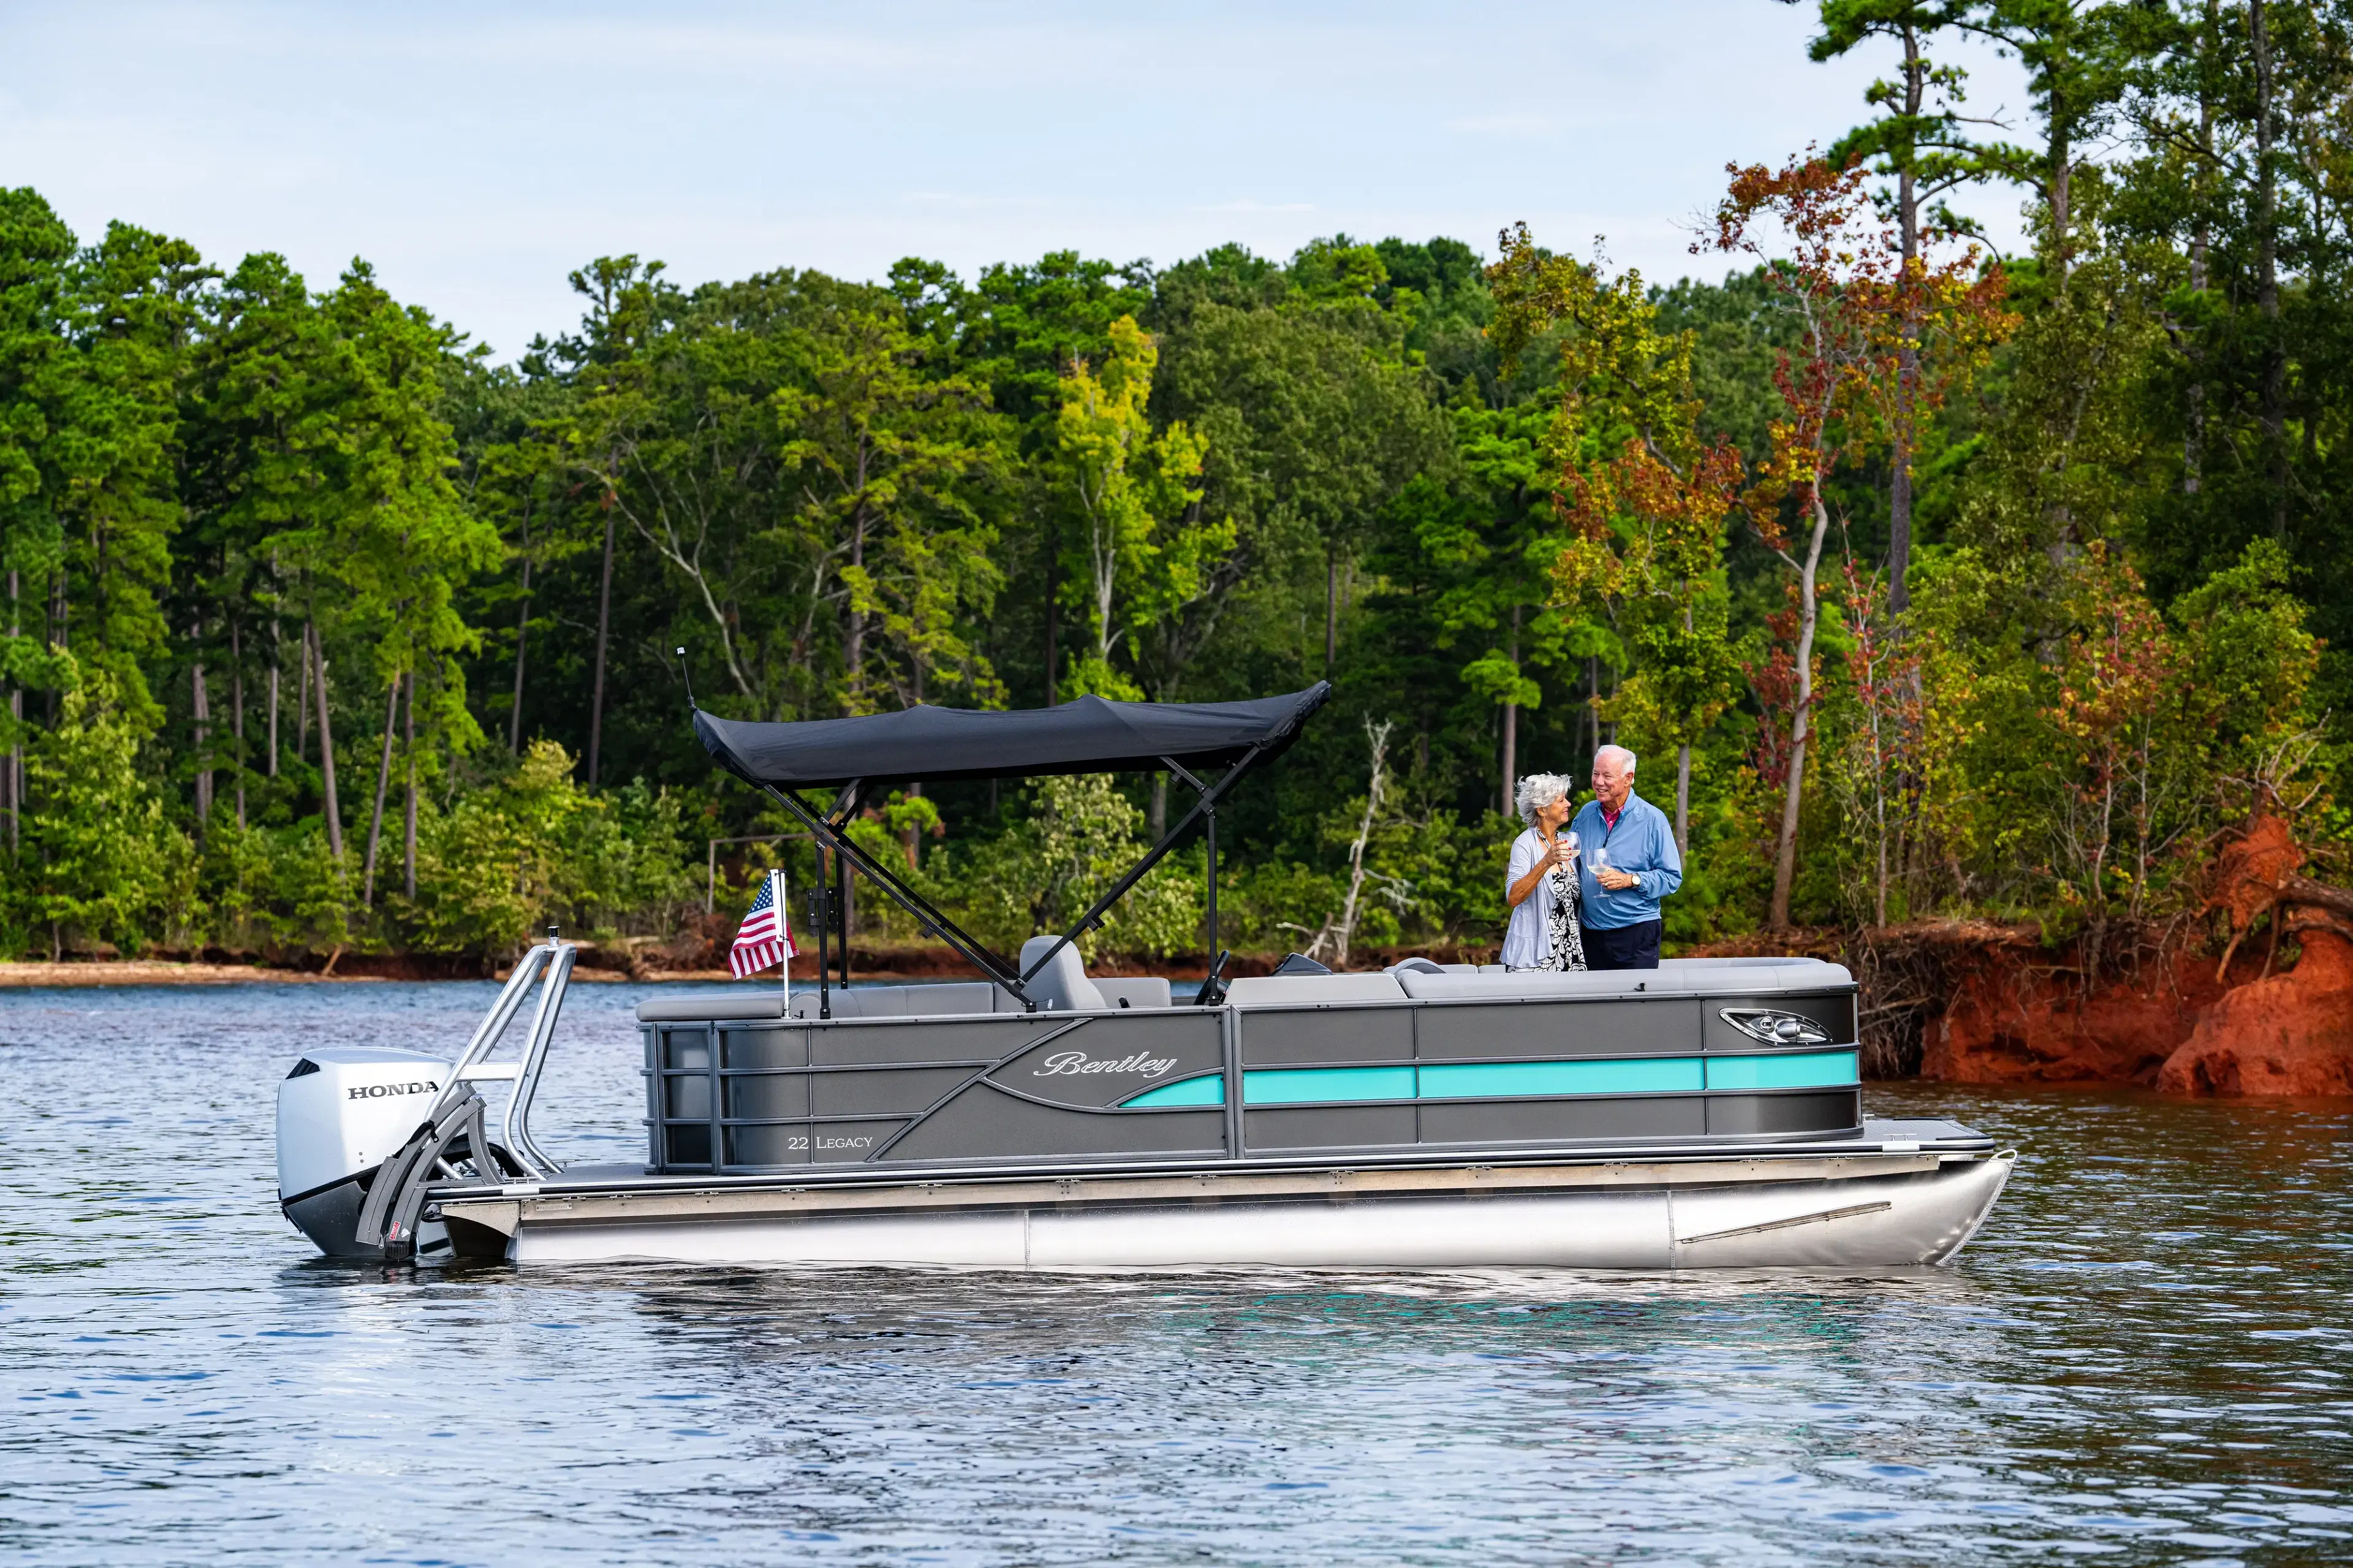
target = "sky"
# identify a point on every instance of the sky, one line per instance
(477, 154)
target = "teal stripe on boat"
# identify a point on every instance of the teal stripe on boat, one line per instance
(1301, 1086)
(1508, 1080)
(1805, 1069)
(1209, 1089)
(1622, 1075)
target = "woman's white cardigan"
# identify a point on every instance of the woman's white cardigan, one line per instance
(1528, 938)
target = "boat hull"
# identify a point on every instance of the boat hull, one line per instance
(1851, 1213)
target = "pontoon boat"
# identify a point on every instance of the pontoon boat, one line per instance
(1704, 1114)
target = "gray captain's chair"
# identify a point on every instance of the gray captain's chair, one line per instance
(1062, 986)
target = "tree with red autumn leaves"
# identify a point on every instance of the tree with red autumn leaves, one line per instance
(1864, 315)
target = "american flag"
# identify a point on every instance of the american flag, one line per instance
(766, 936)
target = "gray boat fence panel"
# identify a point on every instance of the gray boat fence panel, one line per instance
(767, 1097)
(1666, 1026)
(781, 1143)
(850, 1143)
(1096, 1067)
(763, 1095)
(754, 1049)
(1284, 1037)
(1616, 1118)
(907, 1093)
(873, 1042)
(984, 1123)
(1333, 1126)
(1769, 1113)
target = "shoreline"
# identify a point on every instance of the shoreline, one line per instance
(70, 976)
(26, 975)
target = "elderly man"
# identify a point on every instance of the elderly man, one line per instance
(1627, 863)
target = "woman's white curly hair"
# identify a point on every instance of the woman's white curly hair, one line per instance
(1538, 791)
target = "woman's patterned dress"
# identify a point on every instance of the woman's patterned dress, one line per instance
(1567, 948)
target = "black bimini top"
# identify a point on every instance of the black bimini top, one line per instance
(1088, 736)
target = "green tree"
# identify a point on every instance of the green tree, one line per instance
(1143, 554)
(34, 248)
(888, 448)
(404, 545)
(255, 431)
(1018, 328)
(1079, 836)
(1855, 304)
(99, 860)
(1313, 426)
(1488, 543)
(113, 407)
(1642, 496)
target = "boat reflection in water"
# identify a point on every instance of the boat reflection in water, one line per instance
(1705, 1114)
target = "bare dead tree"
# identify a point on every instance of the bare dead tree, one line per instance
(1337, 932)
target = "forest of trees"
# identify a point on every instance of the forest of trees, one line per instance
(1926, 582)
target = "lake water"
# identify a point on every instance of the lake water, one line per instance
(2145, 1357)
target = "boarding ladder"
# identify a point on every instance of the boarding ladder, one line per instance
(453, 1132)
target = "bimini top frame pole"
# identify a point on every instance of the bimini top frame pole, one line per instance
(831, 829)
(1206, 806)
(1089, 735)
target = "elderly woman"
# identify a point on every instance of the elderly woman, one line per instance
(1541, 886)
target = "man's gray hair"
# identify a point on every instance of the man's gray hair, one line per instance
(1619, 753)
(1538, 791)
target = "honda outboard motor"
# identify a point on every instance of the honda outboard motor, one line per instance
(342, 1112)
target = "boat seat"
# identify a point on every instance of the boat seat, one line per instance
(1738, 979)
(1140, 992)
(956, 999)
(1293, 990)
(709, 1007)
(1062, 986)
(1730, 963)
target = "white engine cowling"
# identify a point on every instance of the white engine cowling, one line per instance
(345, 1109)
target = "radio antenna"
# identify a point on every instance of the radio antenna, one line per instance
(689, 675)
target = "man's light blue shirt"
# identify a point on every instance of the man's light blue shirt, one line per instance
(1641, 843)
